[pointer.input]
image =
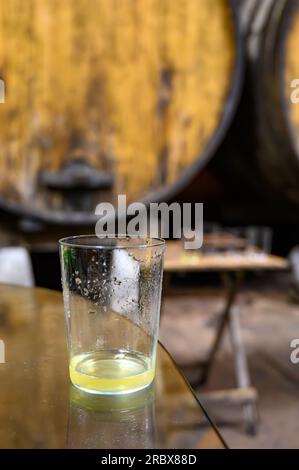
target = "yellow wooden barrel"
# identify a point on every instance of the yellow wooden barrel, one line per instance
(108, 97)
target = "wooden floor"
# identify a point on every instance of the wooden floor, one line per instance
(270, 320)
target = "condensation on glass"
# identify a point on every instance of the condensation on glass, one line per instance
(112, 292)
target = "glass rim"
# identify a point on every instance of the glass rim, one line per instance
(73, 241)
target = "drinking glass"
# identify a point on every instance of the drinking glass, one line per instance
(112, 293)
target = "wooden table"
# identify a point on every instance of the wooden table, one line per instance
(40, 409)
(231, 267)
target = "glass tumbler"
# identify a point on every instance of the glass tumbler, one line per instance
(112, 292)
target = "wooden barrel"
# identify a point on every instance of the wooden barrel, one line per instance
(271, 29)
(108, 97)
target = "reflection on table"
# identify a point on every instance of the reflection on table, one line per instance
(40, 409)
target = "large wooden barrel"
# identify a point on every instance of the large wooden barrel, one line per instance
(108, 97)
(271, 28)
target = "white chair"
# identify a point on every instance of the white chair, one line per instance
(15, 267)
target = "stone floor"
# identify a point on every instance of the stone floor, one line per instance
(270, 320)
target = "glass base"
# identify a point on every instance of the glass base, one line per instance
(97, 392)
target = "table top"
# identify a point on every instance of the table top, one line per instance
(40, 409)
(179, 259)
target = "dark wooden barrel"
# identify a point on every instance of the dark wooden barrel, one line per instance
(111, 97)
(271, 30)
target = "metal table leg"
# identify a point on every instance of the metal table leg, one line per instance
(241, 369)
(244, 393)
(232, 289)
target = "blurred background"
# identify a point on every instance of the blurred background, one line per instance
(182, 100)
